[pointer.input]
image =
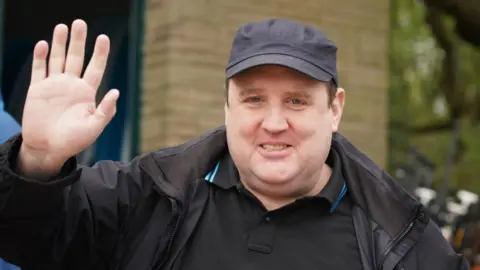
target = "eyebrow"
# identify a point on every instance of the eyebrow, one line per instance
(304, 94)
(253, 90)
(248, 91)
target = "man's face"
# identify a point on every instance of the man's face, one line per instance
(279, 128)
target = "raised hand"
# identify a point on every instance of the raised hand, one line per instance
(60, 117)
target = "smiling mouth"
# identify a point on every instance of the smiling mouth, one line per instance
(274, 147)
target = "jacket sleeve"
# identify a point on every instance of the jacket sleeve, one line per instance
(72, 219)
(434, 252)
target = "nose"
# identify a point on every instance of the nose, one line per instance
(274, 121)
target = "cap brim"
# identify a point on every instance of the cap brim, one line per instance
(295, 63)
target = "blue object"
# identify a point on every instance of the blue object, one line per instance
(6, 266)
(8, 128)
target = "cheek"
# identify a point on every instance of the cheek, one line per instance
(245, 125)
(312, 132)
(306, 126)
(241, 136)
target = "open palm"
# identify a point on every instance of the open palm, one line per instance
(60, 116)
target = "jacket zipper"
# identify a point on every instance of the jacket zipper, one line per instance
(397, 239)
(177, 223)
(172, 236)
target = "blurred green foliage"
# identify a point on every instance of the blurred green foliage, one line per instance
(420, 105)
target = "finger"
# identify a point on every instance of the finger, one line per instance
(96, 68)
(106, 110)
(76, 48)
(57, 53)
(39, 63)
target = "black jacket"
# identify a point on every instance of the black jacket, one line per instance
(139, 215)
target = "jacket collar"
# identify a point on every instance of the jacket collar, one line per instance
(371, 188)
(183, 164)
(374, 190)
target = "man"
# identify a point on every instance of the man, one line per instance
(276, 188)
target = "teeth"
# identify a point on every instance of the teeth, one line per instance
(274, 147)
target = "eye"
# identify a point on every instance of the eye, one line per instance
(296, 101)
(253, 99)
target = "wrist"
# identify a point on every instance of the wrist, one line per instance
(33, 163)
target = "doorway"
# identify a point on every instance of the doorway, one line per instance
(26, 22)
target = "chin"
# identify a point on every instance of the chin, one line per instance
(273, 174)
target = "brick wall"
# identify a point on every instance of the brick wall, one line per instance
(187, 44)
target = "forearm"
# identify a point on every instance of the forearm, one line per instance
(29, 208)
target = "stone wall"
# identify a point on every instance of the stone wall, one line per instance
(187, 44)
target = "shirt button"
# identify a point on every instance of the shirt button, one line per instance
(268, 219)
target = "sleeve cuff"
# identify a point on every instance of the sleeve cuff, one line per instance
(8, 155)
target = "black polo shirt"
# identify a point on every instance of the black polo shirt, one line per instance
(237, 232)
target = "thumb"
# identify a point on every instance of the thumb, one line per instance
(106, 109)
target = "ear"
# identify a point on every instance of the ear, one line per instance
(337, 108)
(226, 110)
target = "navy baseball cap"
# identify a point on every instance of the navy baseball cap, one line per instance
(285, 43)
